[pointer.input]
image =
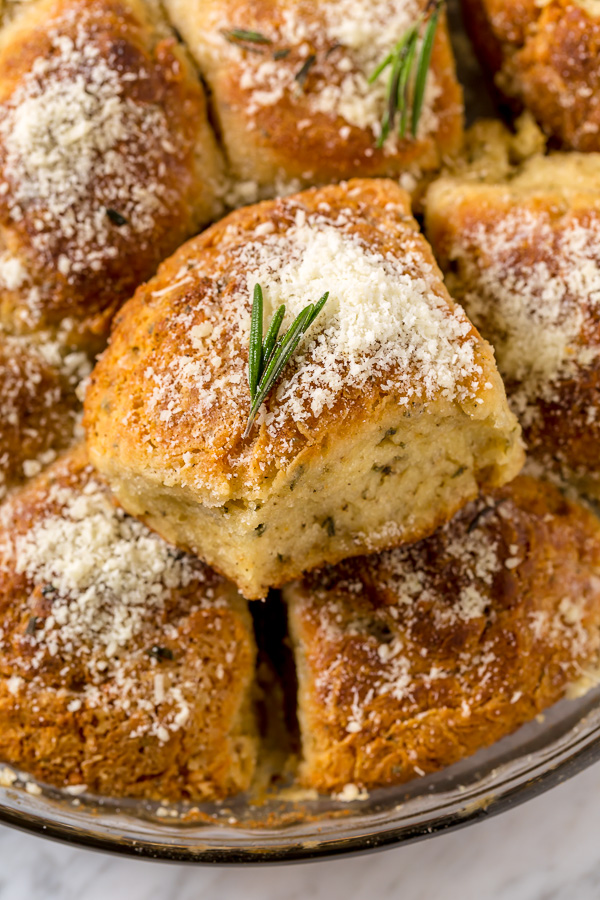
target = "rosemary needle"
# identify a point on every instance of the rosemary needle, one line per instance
(302, 74)
(318, 306)
(251, 37)
(256, 342)
(271, 338)
(405, 77)
(423, 67)
(404, 83)
(267, 359)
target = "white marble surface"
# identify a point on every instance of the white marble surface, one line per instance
(548, 849)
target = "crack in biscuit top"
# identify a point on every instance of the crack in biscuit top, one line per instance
(386, 326)
(345, 41)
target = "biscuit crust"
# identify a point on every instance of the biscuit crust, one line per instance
(547, 58)
(39, 409)
(521, 255)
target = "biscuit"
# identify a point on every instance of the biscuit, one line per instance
(413, 659)
(389, 417)
(125, 666)
(294, 105)
(545, 57)
(521, 253)
(107, 162)
(39, 410)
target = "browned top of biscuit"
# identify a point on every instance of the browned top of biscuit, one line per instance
(421, 655)
(548, 56)
(300, 90)
(99, 117)
(171, 392)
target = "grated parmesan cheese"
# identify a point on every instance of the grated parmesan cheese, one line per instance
(105, 568)
(422, 624)
(349, 793)
(38, 413)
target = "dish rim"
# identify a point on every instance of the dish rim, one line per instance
(509, 797)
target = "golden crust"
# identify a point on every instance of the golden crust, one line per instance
(168, 402)
(547, 57)
(172, 723)
(521, 254)
(278, 125)
(414, 659)
(107, 162)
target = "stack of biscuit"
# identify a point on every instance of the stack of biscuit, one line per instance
(436, 598)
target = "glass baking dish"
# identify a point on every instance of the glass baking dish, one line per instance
(288, 826)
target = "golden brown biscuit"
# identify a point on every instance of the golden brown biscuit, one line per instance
(125, 666)
(39, 410)
(107, 162)
(294, 103)
(413, 659)
(547, 57)
(522, 255)
(389, 417)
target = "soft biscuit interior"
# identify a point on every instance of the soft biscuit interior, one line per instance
(390, 416)
(410, 660)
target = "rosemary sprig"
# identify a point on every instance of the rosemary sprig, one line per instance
(404, 78)
(267, 359)
(235, 35)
